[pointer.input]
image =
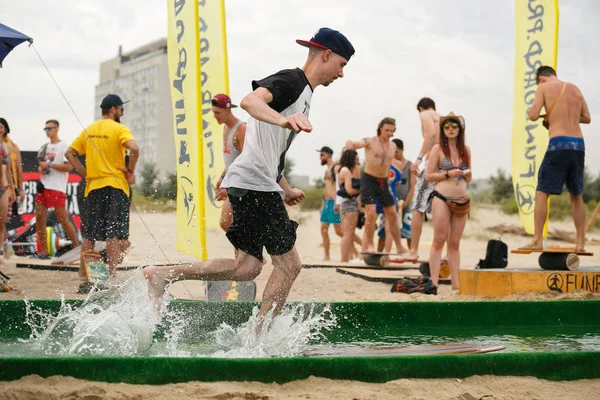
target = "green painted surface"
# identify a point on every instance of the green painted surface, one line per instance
(356, 321)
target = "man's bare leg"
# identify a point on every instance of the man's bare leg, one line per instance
(579, 219)
(416, 229)
(86, 245)
(326, 242)
(226, 215)
(285, 271)
(392, 227)
(369, 228)
(113, 251)
(63, 218)
(40, 226)
(244, 268)
(539, 219)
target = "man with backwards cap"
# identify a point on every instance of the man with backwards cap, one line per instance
(234, 133)
(105, 215)
(328, 213)
(278, 106)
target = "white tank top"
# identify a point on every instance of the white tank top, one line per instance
(230, 152)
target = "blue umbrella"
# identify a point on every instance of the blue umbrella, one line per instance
(9, 39)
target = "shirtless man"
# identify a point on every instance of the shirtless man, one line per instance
(278, 106)
(565, 157)
(379, 153)
(430, 122)
(234, 133)
(328, 213)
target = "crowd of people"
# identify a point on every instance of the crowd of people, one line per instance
(389, 187)
(381, 192)
(108, 173)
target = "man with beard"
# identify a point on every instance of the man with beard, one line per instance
(105, 215)
(374, 184)
(328, 213)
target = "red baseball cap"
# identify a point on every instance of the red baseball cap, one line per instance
(222, 101)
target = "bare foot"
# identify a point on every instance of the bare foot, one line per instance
(402, 250)
(159, 278)
(533, 245)
(412, 255)
(580, 247)
(326, 258)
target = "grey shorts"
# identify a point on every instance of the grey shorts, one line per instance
(349, 205)
(423, 190)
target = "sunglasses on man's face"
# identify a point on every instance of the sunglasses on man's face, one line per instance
(49, 128)
(448, 126)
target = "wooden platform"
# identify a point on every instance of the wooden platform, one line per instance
(422, 350)
(47, 265)
(504, 282)
(558, 250)
(379, 275)
(339, 264)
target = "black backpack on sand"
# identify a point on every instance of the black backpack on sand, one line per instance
(496, 255)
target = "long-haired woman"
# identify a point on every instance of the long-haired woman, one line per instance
(349, 187)
(450, 167)
(5, 181)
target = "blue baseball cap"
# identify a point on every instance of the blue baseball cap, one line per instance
(327, 38)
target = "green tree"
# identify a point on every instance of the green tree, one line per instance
(502, 186)
(591, 185)
(168, 188)
(319, 183)
(149, 175)
(288, 167)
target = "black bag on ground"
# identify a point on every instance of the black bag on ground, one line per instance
(496, 255)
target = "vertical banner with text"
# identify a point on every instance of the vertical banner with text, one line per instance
(214, 80)
(536, 45)
(183, 44)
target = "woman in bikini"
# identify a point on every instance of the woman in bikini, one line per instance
(349, 187)
(450, 167)
(5, 182)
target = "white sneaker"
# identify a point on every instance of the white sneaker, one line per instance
(356, 261)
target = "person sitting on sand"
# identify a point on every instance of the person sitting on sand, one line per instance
(564, 162)
(278, 108)
(449, 165)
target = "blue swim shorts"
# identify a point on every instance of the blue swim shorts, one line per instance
(563, 164)
(328, 214)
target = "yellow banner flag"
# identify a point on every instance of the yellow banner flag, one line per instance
(536, 45)
(183, 44)
(215, 80)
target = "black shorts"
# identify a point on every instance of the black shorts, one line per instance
(260, 220)
(562, 167)
(105, 214)
(374, 189)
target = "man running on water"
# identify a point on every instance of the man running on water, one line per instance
(328, 213)
(430, 126)
(379, 153)
(278, 108)
(565, 157)
(234, 133)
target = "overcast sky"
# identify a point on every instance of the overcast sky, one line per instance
(460, 53)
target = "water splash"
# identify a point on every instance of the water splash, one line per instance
(286, 335)
(122, 322)
(118, 322)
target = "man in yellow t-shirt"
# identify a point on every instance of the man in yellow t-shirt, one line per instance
(105, 215)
